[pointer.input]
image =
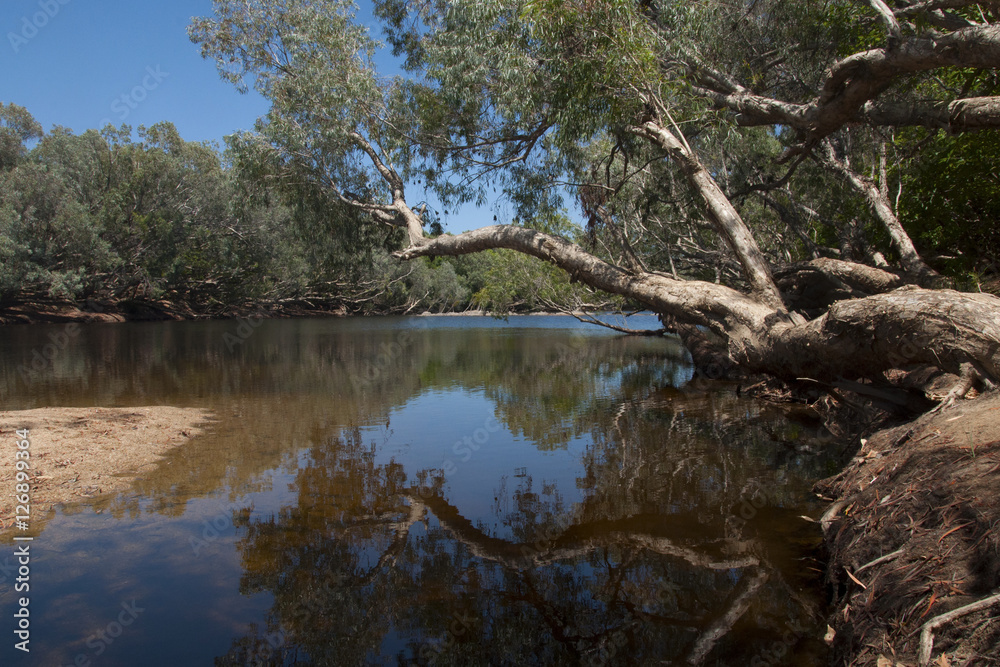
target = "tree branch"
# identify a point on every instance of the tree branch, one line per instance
(721, 212)
(890, 22)
(853, 82)
(696, 302)
(882, 207)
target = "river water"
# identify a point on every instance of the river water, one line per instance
(446, 491)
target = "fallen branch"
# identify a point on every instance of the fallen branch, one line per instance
(590, 319)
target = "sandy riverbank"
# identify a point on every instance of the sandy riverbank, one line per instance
(80, 453)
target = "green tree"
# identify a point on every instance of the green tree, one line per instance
(17, 128)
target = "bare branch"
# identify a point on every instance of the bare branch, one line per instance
(691, 301)
(890, 22)
(721, 213)
(974, 113)
(880, 205)
(854, 82)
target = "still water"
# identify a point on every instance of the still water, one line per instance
(430, 491)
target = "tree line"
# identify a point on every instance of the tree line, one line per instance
(146, 217)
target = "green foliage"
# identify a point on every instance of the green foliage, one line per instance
(17, 128)
(511, 281)
(951, 199)
(103, 215)
(532, 102)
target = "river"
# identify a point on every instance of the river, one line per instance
(426, 490)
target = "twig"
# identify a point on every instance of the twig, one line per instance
(879, 560)
(927, 633)
(953, 530)
(855, 579)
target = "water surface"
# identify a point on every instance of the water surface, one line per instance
(424, 491)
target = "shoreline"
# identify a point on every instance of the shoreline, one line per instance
(79, 454)
(58, 311)
(69, 312)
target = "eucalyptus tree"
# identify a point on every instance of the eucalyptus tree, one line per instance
(17, 128)
(624, 104)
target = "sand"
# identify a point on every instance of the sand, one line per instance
(82, 453)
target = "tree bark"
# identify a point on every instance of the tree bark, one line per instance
(853, 82)
(911, 260)
(973, 113)
(865, 337)
(717, 307)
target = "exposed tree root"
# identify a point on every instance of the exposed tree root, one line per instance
(966, 381)
(927, 633)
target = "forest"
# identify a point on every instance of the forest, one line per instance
(139, 218)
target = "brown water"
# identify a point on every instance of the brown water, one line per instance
(448, 491)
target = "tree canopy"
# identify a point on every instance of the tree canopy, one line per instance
(752, 171)
(147, 220)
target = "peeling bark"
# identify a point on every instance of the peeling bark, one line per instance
(812, 287)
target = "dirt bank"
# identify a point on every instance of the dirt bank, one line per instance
(913, 534)
(77, 453)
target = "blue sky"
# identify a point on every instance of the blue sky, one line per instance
(70, 62)
(83, 63)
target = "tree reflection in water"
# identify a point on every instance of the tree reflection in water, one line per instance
(685, 548)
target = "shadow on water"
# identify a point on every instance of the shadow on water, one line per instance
(433, 491)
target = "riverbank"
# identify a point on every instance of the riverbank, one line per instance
(65, 312)
(913, 535)
(86, 453)
(56, 311)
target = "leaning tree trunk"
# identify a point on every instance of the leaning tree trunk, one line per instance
(719, 210)
(855, 338)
